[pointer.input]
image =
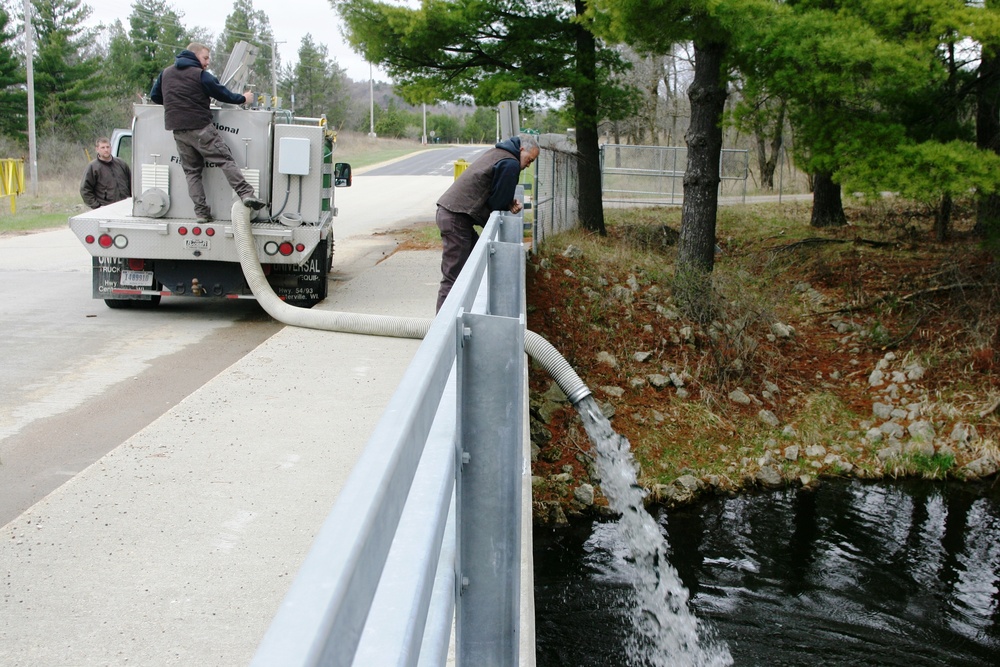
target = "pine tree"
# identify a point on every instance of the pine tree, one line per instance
(13, 98)
(155, 36)
(65, 78)
(488, 52)
(318, 84)
(245, 24)
(878, 96)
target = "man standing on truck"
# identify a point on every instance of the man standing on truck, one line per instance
(184, 89)
(486, 185)
(107, 179)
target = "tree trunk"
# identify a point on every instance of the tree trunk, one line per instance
(828, 208)
(591, 209)
(653, 98)
(769, 163)
(761, 140)
(988, 131)
(942, 219)
(696, 247)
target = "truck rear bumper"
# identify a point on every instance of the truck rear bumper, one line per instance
(116, 278)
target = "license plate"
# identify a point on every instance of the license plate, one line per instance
(197, 244)
(137, 278)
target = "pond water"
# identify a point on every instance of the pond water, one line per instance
(851, 573)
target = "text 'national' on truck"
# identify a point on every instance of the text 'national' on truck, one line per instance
(153, 245)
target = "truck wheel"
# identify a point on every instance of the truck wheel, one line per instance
(118, 303)
(153, 302)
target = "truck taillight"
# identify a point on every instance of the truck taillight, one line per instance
(285, 248)
(196, 231)
(105, 241)
(210, 231)
(89, 238)
(136, 264)
(182, 231)
(299, 247)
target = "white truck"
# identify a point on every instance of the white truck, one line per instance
(152, 244)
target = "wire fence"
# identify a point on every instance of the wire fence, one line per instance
(630, 176)
(555, 200)
(654, 175)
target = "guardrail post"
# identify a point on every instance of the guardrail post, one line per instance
(491, 408)
(512, 224)
(506, 288)
(506, 269)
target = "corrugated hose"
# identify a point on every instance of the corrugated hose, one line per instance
(535, 345)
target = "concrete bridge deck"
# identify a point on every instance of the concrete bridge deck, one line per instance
(177, 547)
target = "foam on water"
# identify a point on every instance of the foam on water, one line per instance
(667, 632)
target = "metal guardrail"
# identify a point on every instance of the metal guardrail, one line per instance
(427, 531)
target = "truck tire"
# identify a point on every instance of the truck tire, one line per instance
(152, 302)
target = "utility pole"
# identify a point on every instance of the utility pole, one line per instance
(274, 70)
(371, 107)
(32, 152)
(424, 140)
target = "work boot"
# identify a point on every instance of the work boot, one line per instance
(253, 202)
(205, 218)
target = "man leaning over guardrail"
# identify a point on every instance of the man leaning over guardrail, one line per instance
(486, 185)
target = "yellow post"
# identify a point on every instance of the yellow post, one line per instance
(460, 166)
(11, 180)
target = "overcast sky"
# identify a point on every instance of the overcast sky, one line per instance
(290, 20)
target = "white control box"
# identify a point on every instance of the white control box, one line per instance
(293, 156)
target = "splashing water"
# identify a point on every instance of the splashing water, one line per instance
(667, 632)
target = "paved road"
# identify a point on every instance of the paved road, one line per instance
(432, 162)
(81, 378)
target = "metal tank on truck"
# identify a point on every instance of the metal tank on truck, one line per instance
(153, 245)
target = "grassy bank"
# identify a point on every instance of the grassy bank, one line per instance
(869, 351)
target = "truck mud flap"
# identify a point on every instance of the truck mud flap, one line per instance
(304, 285)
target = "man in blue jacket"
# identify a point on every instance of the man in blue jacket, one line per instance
(485, 186)
(184, 89)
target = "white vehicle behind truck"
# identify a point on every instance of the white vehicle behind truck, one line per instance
(153, 245)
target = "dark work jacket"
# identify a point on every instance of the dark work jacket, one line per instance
(106, 182)
(185, 91)
(487, 184)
